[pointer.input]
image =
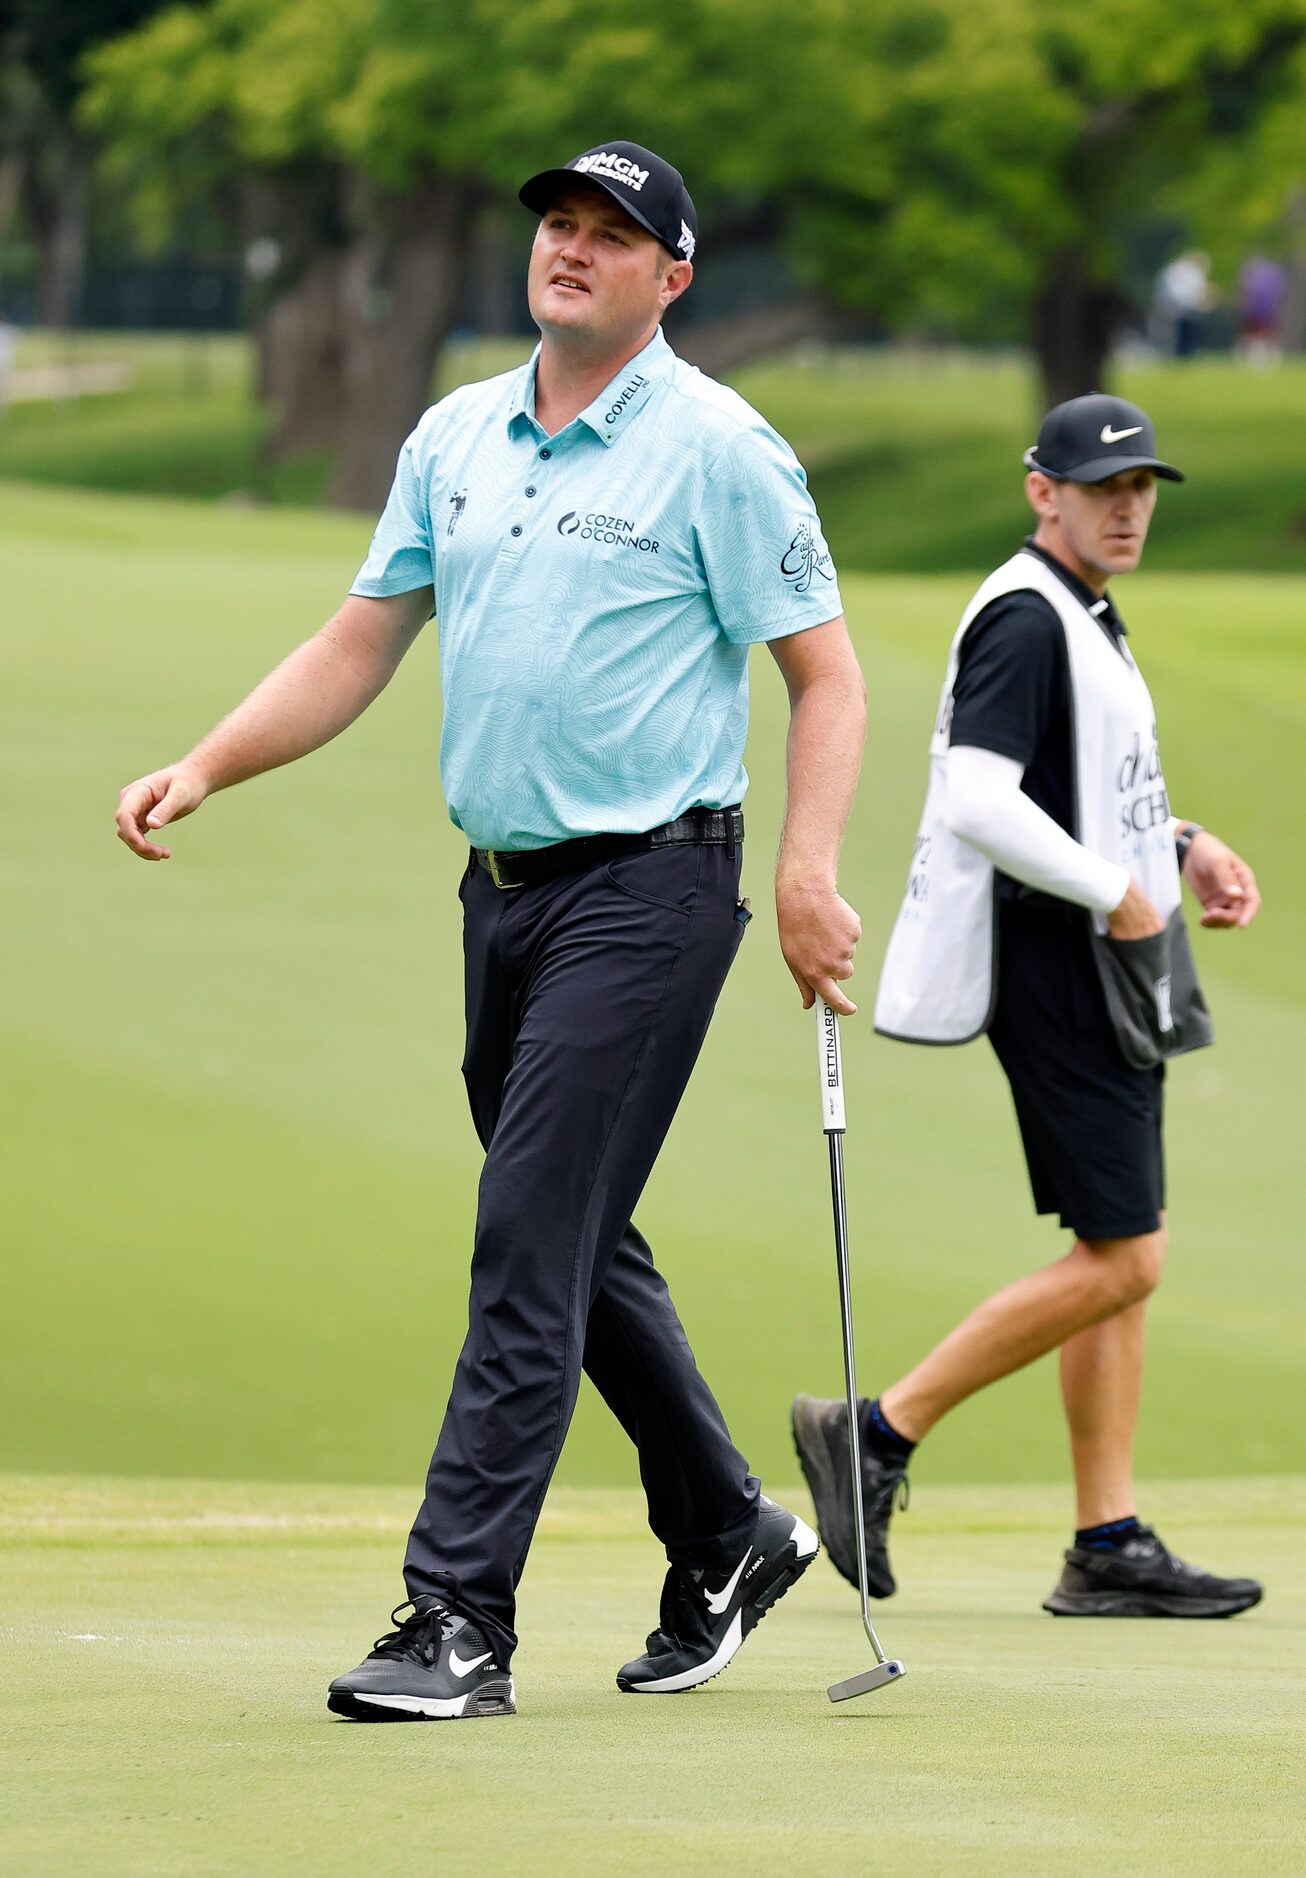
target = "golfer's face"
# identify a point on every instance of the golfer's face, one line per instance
(594, 271)
(1106, 523)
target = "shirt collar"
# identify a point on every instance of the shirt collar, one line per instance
(1103, 609)
(619, 401)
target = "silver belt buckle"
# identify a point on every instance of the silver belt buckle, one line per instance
(498, 879)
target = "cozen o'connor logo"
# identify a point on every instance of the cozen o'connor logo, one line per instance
(804, 559)
(612, 531)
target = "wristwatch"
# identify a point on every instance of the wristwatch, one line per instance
(1183, 840)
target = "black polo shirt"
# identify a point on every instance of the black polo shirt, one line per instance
(1012, 693)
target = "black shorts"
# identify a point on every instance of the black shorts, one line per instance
(1090, 1124)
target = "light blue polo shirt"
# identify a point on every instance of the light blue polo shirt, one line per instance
(597, 593)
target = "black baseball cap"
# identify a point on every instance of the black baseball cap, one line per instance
(649, 189)
(1088, 440)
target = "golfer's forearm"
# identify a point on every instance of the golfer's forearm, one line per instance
(827, 728)
(987, 808)
(311, 697)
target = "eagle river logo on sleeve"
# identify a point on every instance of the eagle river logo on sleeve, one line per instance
(804, 559)
(457, 503)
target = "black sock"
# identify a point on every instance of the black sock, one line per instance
(878, 1432)
(1106, 1538)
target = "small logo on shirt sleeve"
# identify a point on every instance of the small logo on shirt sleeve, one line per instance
(457, 503)
(804, 559)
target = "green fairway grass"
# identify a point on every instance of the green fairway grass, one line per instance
(239, 1177)
(914, 456)
(167, 1647)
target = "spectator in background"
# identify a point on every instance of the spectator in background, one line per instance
(1262, 289)
(1183, 297)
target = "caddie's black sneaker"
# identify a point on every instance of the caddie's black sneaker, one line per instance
(1143, 1578)
(435, 1667)
(705, 1616)
(821, 1438)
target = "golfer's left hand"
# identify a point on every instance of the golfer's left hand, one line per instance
(1222, 881)
(818, 936)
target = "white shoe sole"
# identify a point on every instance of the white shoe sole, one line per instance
(475, 1705)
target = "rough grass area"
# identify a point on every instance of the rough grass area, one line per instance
(167, 1648)
(914, 456)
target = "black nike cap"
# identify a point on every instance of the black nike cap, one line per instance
(648, 188)
(1088, 440)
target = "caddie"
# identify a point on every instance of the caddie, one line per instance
(1043, 907)
(603, 534)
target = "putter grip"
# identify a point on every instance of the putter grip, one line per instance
(831, 1067)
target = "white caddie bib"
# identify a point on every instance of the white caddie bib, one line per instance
(938, 984)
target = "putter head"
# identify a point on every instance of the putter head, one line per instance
(868, 1679)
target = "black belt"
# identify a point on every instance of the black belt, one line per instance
(704, 828)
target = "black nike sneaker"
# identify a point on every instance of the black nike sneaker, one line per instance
(1143, 1578)
(437, 1666)
(821, 1438)
(705, 1616)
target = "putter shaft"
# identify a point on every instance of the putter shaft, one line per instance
(886, 1669)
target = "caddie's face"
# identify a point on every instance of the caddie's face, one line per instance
(596, 275)
(1103, 524)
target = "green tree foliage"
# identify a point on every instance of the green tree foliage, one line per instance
(930, 162)
(44, 156)
(365, 142)
(1022, 146)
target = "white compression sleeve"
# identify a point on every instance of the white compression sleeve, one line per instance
(986, 807)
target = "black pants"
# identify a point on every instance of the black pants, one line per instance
(588, 998)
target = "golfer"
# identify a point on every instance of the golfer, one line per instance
(1043, 906)
(602, 535)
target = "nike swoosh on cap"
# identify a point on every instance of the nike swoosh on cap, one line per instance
(1118, 436)
(460, 1668)
(718, 1600)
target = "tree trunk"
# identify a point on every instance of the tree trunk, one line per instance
(54, 192)
(1292, 331)
(301, 348)
(1075, 324)
(399, 296)
(723, 345)
(11, 176)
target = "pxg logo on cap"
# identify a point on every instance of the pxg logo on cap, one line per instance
(650, 190)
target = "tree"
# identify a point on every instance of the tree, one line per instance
(1022, 146)
(1252, 196)
(364, 142)
(45, 156)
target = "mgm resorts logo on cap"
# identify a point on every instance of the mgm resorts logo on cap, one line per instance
(650, 190)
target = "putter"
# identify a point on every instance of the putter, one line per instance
(887, 1669)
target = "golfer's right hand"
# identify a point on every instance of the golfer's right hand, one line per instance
(818, 937)
(154, 801)
(1135, 917)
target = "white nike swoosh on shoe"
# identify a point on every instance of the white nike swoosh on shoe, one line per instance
(717, 1601)
(461, 1668)
(1118, 436)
